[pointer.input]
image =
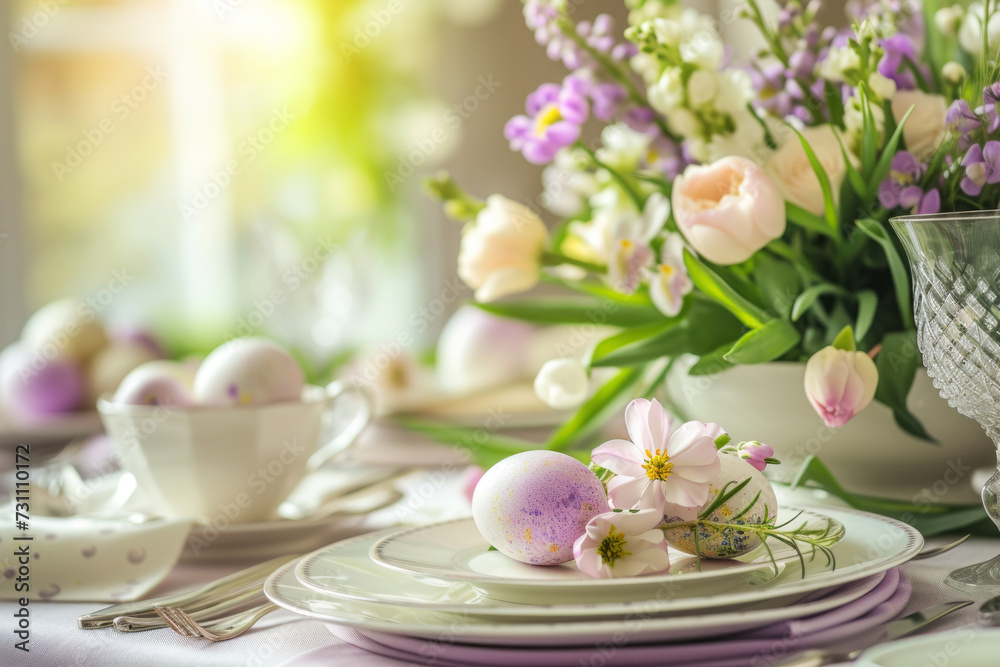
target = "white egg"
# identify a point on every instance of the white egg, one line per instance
(112, 364)
(534, 505)
(729, 542)
(247, 371)
(157, 383)
(64, 329)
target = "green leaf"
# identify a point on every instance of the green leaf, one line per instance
(834, 102)
(627, 337)
(824, 182)
(889, 152)
(713, 362)
(704, 327)
(574, 310)
(806, 220)
(593, 414)
(778, 281)
(929, 519)
(486, 448)
(900, 278)
(869, 135)
(805, 300)
(897, 364)
(845, 340)
(711, 284)
(867, 307)
(853, 176)
(765, 344)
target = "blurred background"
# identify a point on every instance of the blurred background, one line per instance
(213, 168)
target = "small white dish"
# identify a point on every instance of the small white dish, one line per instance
(456, 551)
(969, 647)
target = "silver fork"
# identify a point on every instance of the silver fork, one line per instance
(221, 629)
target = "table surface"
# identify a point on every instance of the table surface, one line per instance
(281, 638)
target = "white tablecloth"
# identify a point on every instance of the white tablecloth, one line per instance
(284, 639)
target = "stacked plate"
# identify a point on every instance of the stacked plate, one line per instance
(439, 591)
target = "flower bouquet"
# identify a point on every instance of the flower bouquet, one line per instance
(738, 212)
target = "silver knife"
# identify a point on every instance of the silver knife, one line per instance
(897, 629)
(103, 618)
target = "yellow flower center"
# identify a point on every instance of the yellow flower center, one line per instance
(901, 177)
(612, 547)
(549, 115)
(666, 270)
(657, 465)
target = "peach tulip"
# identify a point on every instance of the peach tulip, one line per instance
(840, 384)
(501, 253)
(728, 210)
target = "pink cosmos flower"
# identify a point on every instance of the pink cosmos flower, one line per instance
(622, 544)
(659, 467)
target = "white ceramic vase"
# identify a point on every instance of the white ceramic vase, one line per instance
(869, 455)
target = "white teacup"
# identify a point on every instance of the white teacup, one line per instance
(237, 462)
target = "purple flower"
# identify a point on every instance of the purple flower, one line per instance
(898, 49)
(991, 94)
(900, 189)
(962, 120)
(555, 116)
(606, 99)
(981, 167)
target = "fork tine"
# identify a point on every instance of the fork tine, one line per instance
(166, 614)
(181, 618)
(234, 626)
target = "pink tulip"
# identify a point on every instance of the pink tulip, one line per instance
(840, 384)
(728, 210)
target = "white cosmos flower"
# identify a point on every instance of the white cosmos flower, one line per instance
(622, 544)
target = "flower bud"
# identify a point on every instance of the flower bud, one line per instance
(562, 383)
(947, 19)
(953, 72)
(840, 384)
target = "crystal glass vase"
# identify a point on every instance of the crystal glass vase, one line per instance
(955, 261)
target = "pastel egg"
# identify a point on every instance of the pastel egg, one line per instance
(534, 505)
(157, 383)
(248, 371)
(31, 385)
(112, 364)
(729, 542)
(64, 329)
(477, 351)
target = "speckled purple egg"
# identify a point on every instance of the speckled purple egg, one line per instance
(532, 506)
(31, 385)
(248, 371)
(157, 383)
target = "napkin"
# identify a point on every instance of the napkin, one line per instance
(764, 646)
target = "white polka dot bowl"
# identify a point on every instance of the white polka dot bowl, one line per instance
(234, 463)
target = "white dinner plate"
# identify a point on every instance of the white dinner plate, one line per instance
(286, 591)
(344, 570)
(456, 551)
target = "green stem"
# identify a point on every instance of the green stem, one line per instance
(622, 181)
(552, 258)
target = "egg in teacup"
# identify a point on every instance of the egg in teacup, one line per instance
(157, 383)
(248, 371)
(728, 542)
(534, 505)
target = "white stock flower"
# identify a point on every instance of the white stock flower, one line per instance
(854, 118)
(684, 123)
(839, 60)
(566, 184)
(501, 253)
(562, 383)
(881, 85)
(622, 147)
(669, 282)
(701, 87)
(667, 93)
